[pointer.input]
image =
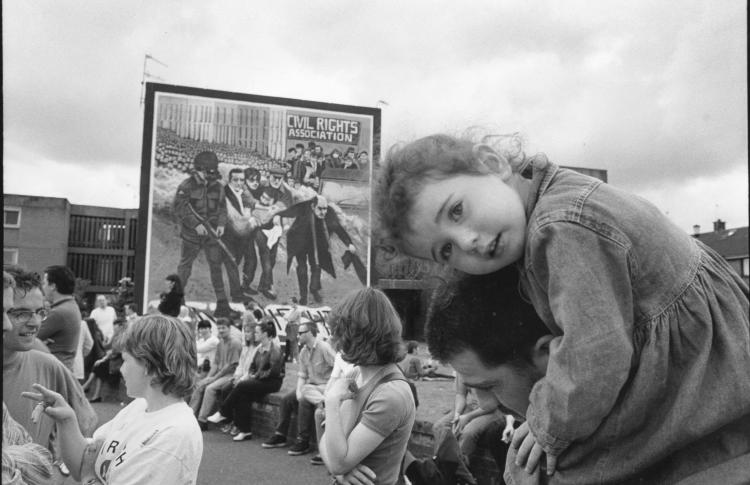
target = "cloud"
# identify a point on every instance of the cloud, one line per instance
(653, 93)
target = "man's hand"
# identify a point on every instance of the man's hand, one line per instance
(351, 248)
(201, 230)
(220, 231)
(529, 451)
(360, 475)
(460, 423)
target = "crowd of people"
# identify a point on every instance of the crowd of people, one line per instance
(591, 340)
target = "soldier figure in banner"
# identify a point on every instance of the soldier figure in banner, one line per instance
(308, 242)
(200, 206)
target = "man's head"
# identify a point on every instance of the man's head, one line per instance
(276, 177)
(267, 196)
(320, 207)
(206, 167)
(488, 334)
(223, 327)
(130, 309)
(204, 329)
(306, 334)
(26, 311)
(101, 301)
(236, 179)
(58, 281)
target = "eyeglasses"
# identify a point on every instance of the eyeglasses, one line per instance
(22, 316)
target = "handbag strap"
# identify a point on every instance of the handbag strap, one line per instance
(385, 374)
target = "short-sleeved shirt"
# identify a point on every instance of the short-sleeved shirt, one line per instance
(316, 364)
(163, 446)
(390, 412)
(227, 352)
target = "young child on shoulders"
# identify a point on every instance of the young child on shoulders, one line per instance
(653, 353)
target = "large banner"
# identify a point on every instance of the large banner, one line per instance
(253, 198)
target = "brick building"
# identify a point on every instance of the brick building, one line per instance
(97, 243)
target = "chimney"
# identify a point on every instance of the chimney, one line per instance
(696, 230)
(719, 225)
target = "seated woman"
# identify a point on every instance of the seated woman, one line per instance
(155, 439)
(370, 412)
(266, 376)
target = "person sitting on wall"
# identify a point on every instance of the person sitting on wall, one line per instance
(315, 366)
(226, 359)
(266, 376)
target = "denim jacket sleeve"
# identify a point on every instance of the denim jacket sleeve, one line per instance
(579, 281)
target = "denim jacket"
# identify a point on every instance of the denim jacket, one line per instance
(652, 347)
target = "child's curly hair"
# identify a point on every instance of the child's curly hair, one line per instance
(408, 167)
(367, 329)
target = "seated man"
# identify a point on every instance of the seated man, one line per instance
(496, 342)
(206, 345)
(315, 366)
(225, 361)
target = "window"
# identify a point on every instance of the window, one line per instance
(12, 217)
(745, 267)
(10, 256)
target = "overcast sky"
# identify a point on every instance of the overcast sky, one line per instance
(655, 92)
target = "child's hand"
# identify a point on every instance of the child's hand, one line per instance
(50, 403)
(529, 451)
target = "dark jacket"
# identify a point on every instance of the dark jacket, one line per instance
(308, 232)
(207, 200)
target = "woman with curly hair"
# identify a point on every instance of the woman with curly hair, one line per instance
(155, 439)
(369, 412)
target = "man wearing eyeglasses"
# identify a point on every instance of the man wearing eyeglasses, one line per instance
(315, 367)
(24, 366)
(200, 206)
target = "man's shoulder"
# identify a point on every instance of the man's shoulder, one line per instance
(43, 360)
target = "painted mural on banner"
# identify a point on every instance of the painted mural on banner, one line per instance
(254, 199)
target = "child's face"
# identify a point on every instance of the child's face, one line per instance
(476, 224)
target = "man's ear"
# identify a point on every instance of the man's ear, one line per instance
(540, 353)
(490, 158)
